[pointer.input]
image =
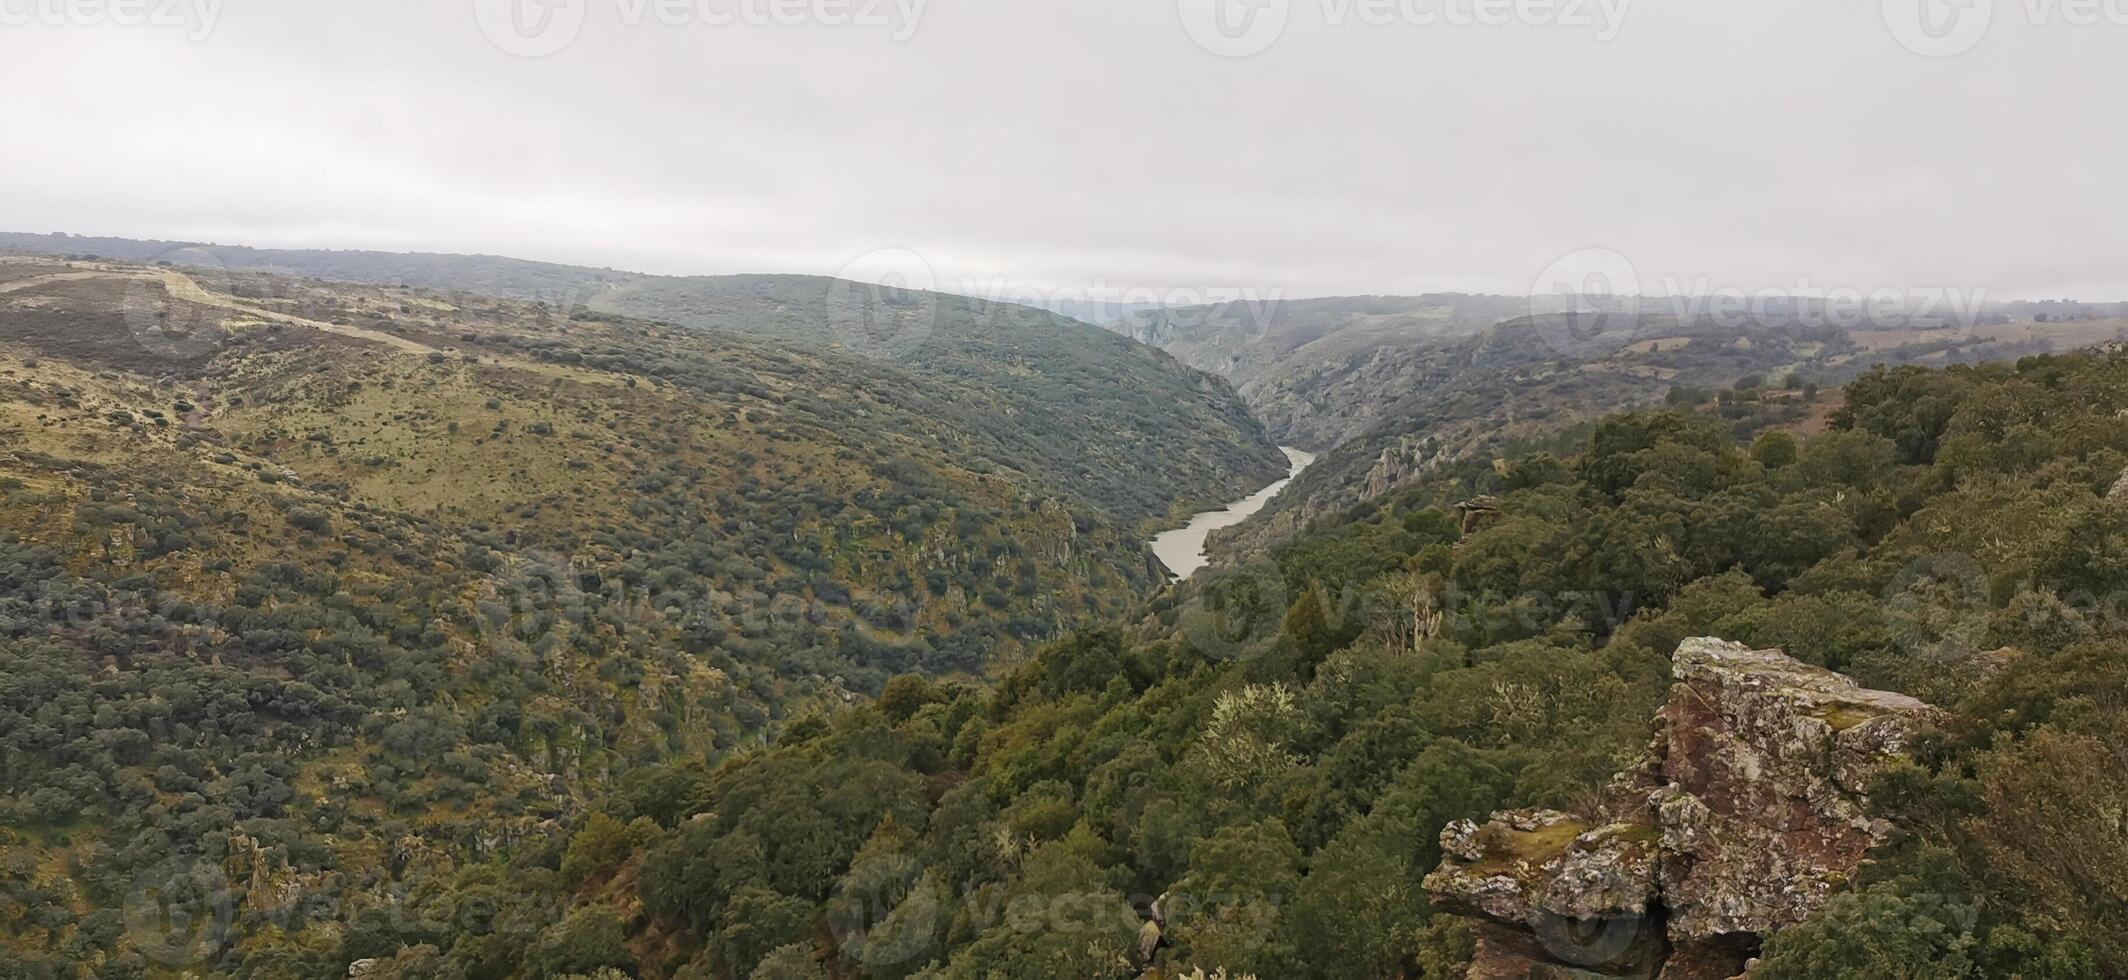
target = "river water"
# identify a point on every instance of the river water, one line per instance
(1182, 549)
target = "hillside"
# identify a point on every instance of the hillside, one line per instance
(347, 577)
(1323, 372)
(1267, 348)
(837, 481)
(1389, 388)
(1430, 405)
(1116, 422)
(1255, 776)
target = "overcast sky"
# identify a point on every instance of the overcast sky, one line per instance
(1057, 143)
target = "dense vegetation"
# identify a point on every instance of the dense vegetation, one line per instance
(469, 638)
(1269, 755)
(306, 587)
(1403, 410)
(1391, 388)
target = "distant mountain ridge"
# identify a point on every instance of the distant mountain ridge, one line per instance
(1387, 388)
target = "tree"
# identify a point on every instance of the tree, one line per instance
(587, 940)
(1875, 933)
(1774, 450)
(600, 843)
(905, 694)
(1307, 625)
(2054, 825)
(1225, 912)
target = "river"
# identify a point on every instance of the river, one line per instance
(1182, 549)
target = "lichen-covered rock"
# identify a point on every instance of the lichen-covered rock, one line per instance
(1562, 890)
(1746, 813)
(1763, 762)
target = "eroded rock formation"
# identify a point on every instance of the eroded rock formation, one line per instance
(1744, 815)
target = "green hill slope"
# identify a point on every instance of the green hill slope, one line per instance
(1077, 406)
(1394, 388)
(1268, 758)
(303, 584)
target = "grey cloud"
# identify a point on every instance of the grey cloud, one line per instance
(1056, 144)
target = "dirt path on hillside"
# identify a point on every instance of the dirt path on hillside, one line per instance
(180, 286)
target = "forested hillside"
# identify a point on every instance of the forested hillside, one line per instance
(1258, 343)
(1398, 412)
(1324, 372)
(307, 585)
(1269, 754)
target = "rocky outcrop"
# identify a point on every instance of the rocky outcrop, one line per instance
(1744, 815)
(2119, 493)
(1476, 512)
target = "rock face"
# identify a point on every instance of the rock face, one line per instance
(1744, 815)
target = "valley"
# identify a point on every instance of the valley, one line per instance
(1128, 490)
(1388, 389)
(339, 567)
(1182, 550)
(403, 631)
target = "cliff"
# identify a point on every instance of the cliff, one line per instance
(1744, 815)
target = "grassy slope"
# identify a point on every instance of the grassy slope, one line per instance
(1123, 424)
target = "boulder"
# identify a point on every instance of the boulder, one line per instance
(1551, 887)
(1762, 766)
(1744, 815)
(1476, 512)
